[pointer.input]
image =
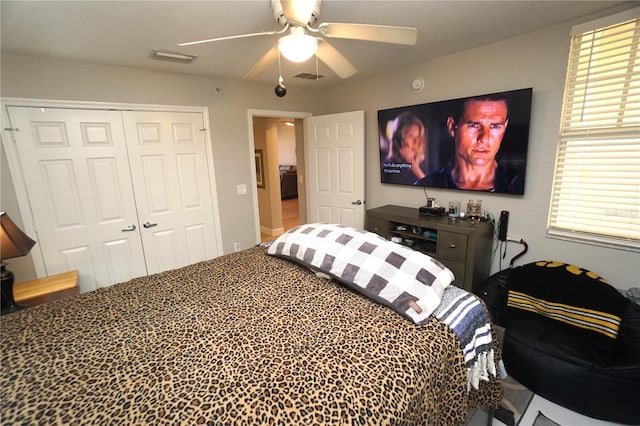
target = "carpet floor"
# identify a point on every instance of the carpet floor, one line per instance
(521, 407)
(516, 400)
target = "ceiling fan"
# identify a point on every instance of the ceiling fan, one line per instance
(298, 16)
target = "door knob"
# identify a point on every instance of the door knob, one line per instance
(129, 228)
(148, 224)
(356, 203)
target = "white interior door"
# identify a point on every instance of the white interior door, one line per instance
(168, 158)
(334, 158)
(74, 164)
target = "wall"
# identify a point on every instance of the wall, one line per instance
(42, 78)
(300, 153)
(536, 60)
(264, 197)
(267, 134)
(272, 174)
(286, 144)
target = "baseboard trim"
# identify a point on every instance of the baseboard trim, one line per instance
(271, 231)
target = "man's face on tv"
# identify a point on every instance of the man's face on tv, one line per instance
(479, 131)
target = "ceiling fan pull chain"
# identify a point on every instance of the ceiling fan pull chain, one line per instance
(280, 89)
(317, 74)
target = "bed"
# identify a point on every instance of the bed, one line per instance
(247, 338)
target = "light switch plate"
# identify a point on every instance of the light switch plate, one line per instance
(241, 189)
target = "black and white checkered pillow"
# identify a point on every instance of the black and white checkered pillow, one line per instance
(408, 281)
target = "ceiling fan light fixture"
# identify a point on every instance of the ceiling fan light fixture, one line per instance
(298, 46)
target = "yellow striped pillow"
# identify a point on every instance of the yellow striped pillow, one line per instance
(588, 319)
(568, 294)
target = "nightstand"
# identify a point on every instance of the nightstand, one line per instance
(47, 289)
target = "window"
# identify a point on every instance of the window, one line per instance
(596, 188)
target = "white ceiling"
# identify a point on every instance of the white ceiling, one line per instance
(124, 32)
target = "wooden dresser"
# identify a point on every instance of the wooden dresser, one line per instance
(462, 246)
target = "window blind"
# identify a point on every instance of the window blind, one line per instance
(596, 189)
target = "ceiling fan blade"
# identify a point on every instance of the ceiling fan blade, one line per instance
(298, 12)
(190, 43)
(335, 60)
(270, 57)
(380, 33)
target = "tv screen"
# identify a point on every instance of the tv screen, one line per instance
(477, 143)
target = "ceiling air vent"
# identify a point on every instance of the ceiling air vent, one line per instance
(166, 55)
(308, 76)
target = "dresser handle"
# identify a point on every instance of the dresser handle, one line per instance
(452, 245)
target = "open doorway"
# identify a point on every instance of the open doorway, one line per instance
(278, 142)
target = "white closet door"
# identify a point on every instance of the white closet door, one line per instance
(76, 172)
(168, 159)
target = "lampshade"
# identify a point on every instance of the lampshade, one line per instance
(13, 242)
(298, 46)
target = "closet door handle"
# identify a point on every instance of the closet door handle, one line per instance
(148, 224)
(356, 203)
(129, 228)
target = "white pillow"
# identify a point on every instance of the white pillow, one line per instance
(406, 280)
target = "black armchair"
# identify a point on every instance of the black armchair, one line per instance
(569, 337)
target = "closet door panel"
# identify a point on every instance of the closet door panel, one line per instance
(196, 242)
(171, 181)
(103, 179)
(157, 193)
(75, 167)
(187, 166)
(61, 189)
(160, 245)
(120, 260)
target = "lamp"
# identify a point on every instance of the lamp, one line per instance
(13, 243)
(298, 46)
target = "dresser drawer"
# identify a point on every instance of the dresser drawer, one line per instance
(458, 270)
(379, 226)
(452, 245)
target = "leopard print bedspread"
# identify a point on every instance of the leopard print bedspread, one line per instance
(244, 339)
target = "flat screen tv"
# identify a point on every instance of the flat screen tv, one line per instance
(477, 143)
